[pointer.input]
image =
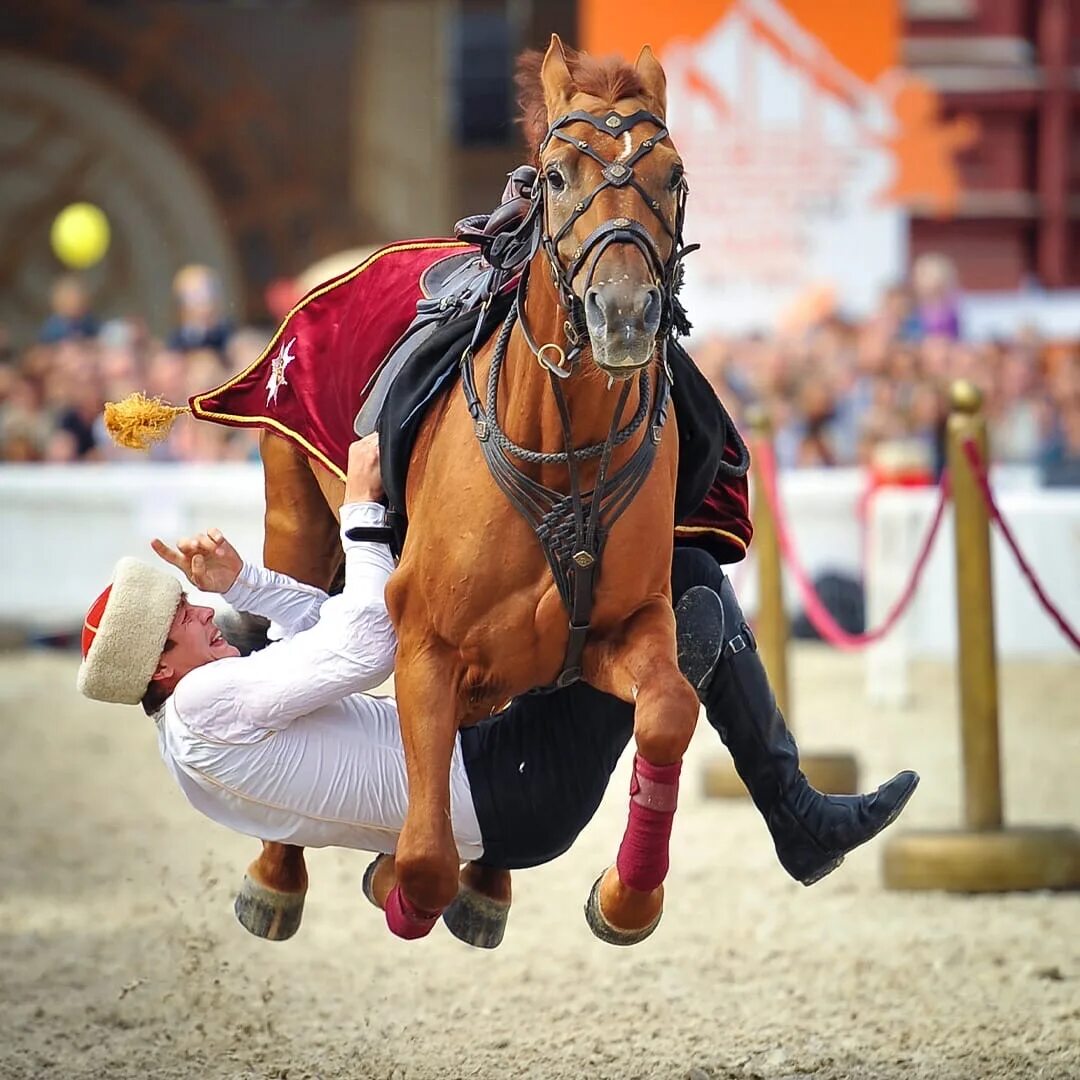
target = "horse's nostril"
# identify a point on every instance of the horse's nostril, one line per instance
(650, 314)
(594, 309)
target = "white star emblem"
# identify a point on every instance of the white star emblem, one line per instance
(277, 371)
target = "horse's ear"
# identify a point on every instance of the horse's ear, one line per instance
(556, 79)
(652, 78)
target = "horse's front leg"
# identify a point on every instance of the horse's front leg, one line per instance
(627, 900)
(477, 914)
(426, 860)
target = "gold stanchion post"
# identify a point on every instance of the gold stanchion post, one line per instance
(984, 856)
(833, 773)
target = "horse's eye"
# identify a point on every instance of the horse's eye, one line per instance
(678, 174)
(556, 180)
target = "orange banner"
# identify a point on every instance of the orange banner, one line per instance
(798, 158)
(864, 37)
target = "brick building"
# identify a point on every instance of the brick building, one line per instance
(1015, 66)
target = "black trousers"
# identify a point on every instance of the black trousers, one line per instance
(539, 768)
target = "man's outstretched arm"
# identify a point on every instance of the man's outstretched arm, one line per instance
(212, 564)
(350, 650)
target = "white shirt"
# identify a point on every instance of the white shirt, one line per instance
(285, 744)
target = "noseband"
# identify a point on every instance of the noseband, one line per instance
(617, 173)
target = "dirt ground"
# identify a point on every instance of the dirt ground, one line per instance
(119, 956)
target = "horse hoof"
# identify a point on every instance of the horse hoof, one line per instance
(613, 935)
(476, 919)
(368, 884)
(267, 913)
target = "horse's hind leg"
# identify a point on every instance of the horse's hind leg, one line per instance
(300, 529)
(479, 912)
(626, 902)
(270, 902)
(300, 538)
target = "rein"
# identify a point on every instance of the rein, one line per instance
(572, 527)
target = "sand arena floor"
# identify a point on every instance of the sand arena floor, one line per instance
(119, 956)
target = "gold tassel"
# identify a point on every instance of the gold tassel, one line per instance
(138, 421)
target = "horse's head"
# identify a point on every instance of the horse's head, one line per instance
(613, 196)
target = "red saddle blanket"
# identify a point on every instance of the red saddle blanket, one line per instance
(316, 373)
(313, 377)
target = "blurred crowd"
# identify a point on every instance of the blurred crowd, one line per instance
(837, 392)
(52, 394)
(876, 393)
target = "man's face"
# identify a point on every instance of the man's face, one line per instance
(194, 640)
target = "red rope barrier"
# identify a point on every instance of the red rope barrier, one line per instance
(978, 468)
(819, 615)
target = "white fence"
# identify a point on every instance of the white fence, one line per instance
(62, 529)
(1046, 525)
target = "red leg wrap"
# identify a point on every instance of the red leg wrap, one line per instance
(643, 854)
(405, 919)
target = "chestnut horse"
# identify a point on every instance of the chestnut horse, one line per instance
(482, 612)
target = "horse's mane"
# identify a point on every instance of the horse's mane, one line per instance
(609, 78)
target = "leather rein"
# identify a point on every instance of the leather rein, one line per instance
(572, 527)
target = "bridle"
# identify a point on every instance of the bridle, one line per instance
(534, 232)
(572, 527)
(617, 173)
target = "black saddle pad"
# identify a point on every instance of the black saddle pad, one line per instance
(434, 369)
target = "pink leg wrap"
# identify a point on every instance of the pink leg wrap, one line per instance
(405, 919)
(643, 854)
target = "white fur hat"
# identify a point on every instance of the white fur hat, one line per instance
(125, 632)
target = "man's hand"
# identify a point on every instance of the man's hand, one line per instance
(363, 481)
(208, 560)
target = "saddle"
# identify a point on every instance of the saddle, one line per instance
(459, 285)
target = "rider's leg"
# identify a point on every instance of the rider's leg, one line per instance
(812, 832)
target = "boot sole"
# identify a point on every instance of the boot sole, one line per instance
(699, 633)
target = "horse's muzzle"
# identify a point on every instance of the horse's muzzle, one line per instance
(623, 318)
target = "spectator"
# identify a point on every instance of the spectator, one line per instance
(1060, 458)
(71, 316)
(200, 323)
(937, 300)
(24, 424)
(837, 392)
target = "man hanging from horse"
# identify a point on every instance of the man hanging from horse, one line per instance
(261, 746)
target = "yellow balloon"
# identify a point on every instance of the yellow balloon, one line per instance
(80, 235)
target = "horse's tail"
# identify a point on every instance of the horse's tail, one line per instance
(138, 421)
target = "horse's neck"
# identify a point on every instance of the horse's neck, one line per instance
(528, 411)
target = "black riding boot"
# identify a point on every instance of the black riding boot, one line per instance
(812, 832)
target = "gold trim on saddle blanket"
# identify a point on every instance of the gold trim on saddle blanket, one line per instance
(692, 530)
(269, 421)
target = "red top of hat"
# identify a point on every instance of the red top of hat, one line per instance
(93, 620)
